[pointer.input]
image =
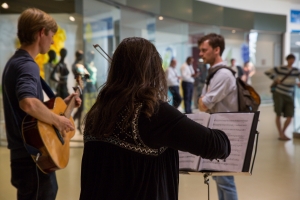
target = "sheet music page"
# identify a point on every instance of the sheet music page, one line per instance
(237, 126)
(201, 118)
(188, 160)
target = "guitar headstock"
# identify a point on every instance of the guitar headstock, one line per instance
(79, 81)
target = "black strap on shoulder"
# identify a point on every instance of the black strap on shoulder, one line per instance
(47, 89)
(286, 75)
(212, 71)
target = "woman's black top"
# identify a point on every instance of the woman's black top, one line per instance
(142, 162)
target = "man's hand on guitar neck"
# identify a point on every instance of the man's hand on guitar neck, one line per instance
(78, 101)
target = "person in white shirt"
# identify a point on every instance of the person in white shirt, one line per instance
(187, 74)
(173, 83)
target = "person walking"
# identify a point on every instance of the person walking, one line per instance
(285, 78)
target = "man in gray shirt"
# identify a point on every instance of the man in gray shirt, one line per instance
(219, 96)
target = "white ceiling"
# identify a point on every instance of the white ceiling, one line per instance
(287, 1)
(292, 1)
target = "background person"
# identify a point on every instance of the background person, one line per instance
(248, 72)
(188, 74)
(199, 81)
(132, 135)
(219, 96)
(173, 83)
(283, 96)
(238, 69)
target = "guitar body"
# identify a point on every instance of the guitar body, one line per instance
(42, 136)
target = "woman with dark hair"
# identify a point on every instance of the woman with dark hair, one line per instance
(132, 134)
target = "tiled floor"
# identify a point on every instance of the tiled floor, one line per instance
(276, 174)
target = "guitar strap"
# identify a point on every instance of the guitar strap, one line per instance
(47, 89)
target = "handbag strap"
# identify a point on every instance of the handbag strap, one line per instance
(286, 75)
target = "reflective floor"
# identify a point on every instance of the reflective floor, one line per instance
(276, 173)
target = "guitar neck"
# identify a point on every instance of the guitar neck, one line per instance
(71, 105)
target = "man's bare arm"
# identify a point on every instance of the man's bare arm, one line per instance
(35, 108)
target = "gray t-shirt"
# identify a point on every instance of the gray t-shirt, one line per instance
(221, 93)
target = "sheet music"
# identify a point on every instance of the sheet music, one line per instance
(188, 161)
(237, 126)
(201, 118)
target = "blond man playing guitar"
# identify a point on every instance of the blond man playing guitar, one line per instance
(23, 95)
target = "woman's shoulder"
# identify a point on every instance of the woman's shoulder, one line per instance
(165, 107)
(165, 113)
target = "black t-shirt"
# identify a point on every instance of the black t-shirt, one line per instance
(21, 79)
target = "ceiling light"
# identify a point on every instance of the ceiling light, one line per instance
(71, 18)
(160, 17)
(233, 31)
(4, 5)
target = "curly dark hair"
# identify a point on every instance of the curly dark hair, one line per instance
(135, 76)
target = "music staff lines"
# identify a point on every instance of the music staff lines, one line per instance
(214, 124)
(231, 120)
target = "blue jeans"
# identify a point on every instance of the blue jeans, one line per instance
(176, 96)
(226, 187)
(24, 178)
(187, 88)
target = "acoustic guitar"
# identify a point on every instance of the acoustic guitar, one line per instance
(54, 149)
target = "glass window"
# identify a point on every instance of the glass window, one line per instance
(100, 26)
(295, 49)
(268, 54)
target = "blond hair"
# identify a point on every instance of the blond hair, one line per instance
(31, 21)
